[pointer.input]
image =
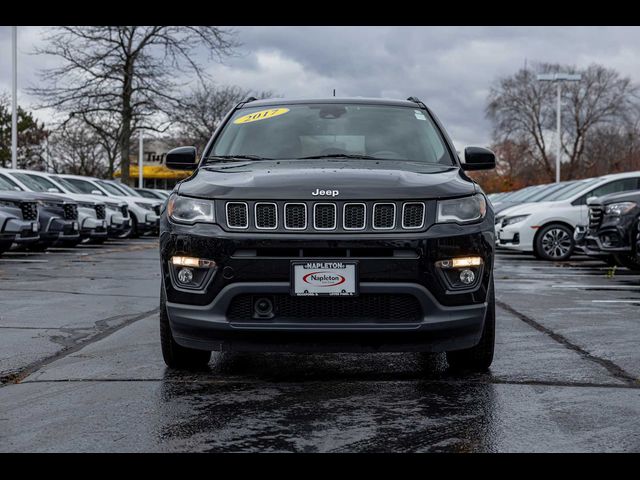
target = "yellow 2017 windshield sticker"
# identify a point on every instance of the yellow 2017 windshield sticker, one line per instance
(261, 115)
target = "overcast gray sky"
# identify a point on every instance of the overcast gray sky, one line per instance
(449, 68)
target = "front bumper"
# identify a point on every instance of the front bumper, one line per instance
(260, 265)
(20, 231)
(151, 223)
(60, 229)
(93, 228)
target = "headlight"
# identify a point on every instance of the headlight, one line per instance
(512, 220)
(146, 206)
(619, 208)
(4, 203)
(86, 205)
(462, 210)
(190, 210)
(113, 207)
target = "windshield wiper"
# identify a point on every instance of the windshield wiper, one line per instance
(342, 155)
(235, 157)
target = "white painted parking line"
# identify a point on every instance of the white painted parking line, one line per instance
(610, 287)
(22, 260)
(616, 301)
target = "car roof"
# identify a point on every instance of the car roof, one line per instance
(350, 100)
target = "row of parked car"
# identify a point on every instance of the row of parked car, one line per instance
(596, 216)
(39, 210)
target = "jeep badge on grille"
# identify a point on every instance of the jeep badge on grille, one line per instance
(326, 193)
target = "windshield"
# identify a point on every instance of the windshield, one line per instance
(127, 189)
(85, 187)
(147, 194)
(333, 130)
(45, 184)
(112, 189)
(70, 187)
(553, 189)
(8, 184)
(571, 191)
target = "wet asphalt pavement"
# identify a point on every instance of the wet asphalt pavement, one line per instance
(81, 370)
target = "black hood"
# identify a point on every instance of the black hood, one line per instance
(353, 179)
(630, 196)
(17, 196)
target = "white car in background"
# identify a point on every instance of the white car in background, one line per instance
(144, 213)
(546, 228)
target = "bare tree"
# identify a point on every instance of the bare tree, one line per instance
(74, 148)
(128, 72)
(523, 110)
(200, 111)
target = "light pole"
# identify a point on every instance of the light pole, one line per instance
(140, 154)
(559, 78)
(14, 97)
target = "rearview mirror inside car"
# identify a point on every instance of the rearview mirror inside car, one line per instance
(478, 158)
(182, 158)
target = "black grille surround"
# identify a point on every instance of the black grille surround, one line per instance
(70, 211)
(101, 212)
(326, 217)
(29, 210)
(596, 212)
(365, 308)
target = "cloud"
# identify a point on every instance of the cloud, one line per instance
(449, 68)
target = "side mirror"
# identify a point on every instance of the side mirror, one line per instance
(478, 158)
(182, 158)
(53, 190)
(96, 192)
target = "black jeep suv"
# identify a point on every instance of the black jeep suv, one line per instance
(333, 225)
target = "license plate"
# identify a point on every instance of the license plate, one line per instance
(324, 278)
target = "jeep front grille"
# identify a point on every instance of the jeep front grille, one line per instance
(280, 216)
(70, 211)
(237, 215)
(101, 212)
(29, 210)
(595, 216)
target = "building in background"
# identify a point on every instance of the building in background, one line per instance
(154, 172)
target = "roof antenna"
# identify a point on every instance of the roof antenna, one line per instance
(334, 92)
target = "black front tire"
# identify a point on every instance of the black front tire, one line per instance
(479, 358)
(177, 356)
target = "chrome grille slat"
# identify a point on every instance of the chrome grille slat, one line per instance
(237, 215)
(295, 216)
(384, 216)
(327, 214)
(354, 216)
(595, 217)
(266, 215)
(413, 215)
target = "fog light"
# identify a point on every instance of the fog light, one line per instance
(467, 276)
(460, 262)
(185, 275)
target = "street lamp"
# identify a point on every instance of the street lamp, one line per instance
(14, 97)
(559, 78)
